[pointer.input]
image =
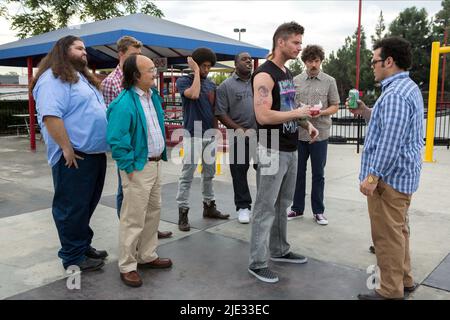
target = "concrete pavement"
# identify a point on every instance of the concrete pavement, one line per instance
(339, 257)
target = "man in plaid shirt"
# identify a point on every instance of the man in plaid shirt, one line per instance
(391, 165)
(111, 87)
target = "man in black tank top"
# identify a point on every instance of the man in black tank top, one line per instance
(278, 119)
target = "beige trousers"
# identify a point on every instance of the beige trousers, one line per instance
(388, 211)
(139, 217)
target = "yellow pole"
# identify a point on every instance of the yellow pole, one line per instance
(432, 102)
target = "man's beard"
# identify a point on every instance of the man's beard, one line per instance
(78, 63)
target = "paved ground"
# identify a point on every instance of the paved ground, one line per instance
(210, 261)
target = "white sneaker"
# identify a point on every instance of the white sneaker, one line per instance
(243, 215)
(320, 219)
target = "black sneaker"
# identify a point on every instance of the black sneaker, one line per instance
(90, 264)
(290, 257)
(264, 274)
(96, 254)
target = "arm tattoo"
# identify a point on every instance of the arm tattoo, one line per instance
(263, 91)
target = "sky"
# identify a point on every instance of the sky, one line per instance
(326, 23)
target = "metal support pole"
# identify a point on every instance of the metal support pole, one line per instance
(358, 57)
(31, 105)
(431, 115)
(443, 69)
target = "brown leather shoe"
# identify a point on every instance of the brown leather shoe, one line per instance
(164, 234)
(131, 279)
(158, 263)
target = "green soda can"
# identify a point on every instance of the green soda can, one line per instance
(353, 96)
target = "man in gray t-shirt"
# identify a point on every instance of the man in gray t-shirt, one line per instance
(318, 90)
(234, 108)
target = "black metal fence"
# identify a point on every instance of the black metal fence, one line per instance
(344, 129)
(345, 126)
(10, 124)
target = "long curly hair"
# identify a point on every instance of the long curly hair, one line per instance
(58, 60)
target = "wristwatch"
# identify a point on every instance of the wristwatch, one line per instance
(372, 179)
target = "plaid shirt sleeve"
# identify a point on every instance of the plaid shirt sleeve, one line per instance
(394, 115)
(109, 90)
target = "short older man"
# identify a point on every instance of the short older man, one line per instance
(111, 87)
(136, 135)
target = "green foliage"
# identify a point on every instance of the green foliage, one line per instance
(413, 25)
(342, 66)
(296, 66)
(442, 22)
(379, 29)
(42, 16)
(219, 77)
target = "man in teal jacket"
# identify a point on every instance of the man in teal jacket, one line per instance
(136, 136)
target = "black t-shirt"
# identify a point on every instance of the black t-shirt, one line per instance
(283, 97)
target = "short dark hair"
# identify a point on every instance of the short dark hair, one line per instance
(284, 31)
(312, 52)
(201, 55)
(398, 48)
(237, 56)
(130, 72)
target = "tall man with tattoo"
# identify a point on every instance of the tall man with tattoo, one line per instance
(278, 119)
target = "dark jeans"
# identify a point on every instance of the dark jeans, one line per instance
(318, 153)
(239, 168)
(119, 197)
(77, 193)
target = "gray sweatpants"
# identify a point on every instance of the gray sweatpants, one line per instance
(194, 148)
(276, 177)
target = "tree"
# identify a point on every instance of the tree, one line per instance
(413, 25)
(442, 23)
(379, 29)
(219, 77)
(296, 67)
(42, 16)
(342, 66)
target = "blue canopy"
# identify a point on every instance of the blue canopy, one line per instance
(160, 38)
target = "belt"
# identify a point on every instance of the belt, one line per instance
(155, 158)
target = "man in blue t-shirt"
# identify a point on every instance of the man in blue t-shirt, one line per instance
(72, 117)
(198, 98)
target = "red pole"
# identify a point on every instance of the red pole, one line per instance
(443, 68)
(173, 84)
(358, 47)
(255, 63)
(31, 105)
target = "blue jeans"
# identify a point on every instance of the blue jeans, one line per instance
(318, 153)
(77, 193)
